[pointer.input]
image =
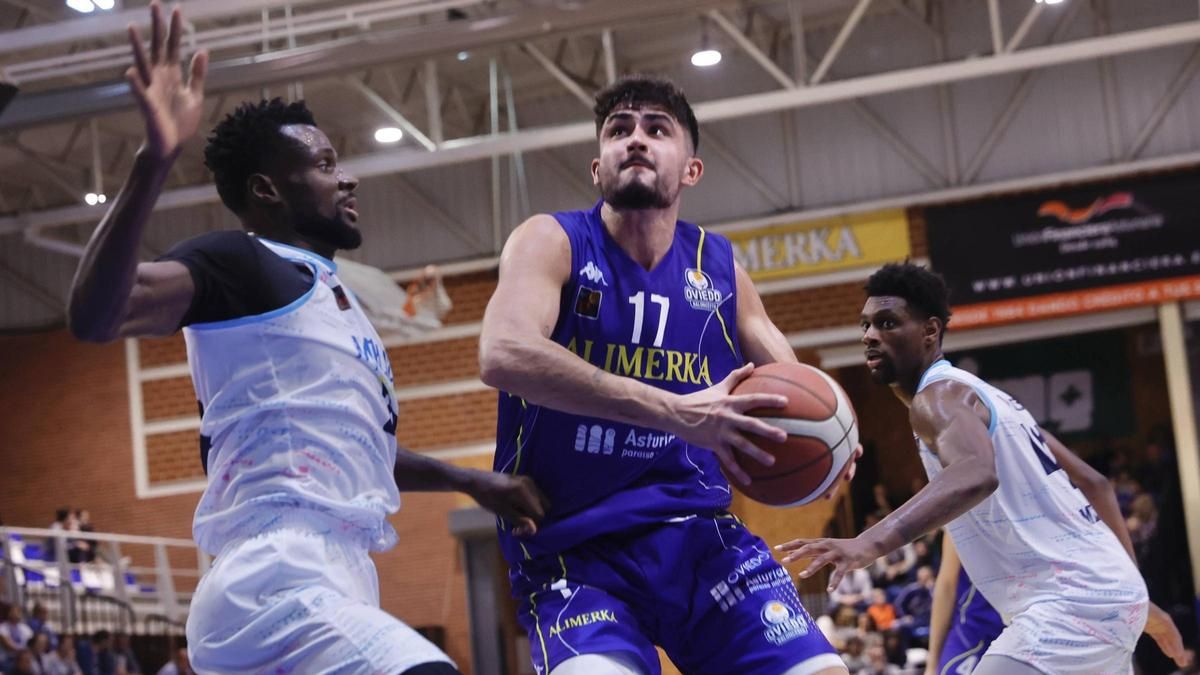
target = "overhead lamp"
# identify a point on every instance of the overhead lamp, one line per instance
(82, 6)
(463, 56)
(104, 4)
(388, 135)
(705, 56)
(93, 198)
(1048, 2)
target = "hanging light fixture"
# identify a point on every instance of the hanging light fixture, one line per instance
(706, 56)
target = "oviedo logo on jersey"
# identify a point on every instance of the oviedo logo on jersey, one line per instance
(699, 292)
(783, 623)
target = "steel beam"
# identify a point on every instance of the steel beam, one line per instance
(357, 52)
(392, 114)
(799, 48)
(751, 49)
(482, 147)
(610, 55)
(557, 73)
(1164, 105)
(433, 101)
(1025, 26)
(856, 15)
(996, 26)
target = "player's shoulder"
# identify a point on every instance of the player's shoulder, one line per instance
(217, 244)
(941, 398)
(539, 231)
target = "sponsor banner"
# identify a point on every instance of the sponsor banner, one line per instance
(1076, 302)
(1049, 253)
(818, 246)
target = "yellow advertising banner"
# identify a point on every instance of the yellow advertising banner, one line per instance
(817, 246)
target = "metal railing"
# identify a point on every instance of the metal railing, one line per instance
(109, 592)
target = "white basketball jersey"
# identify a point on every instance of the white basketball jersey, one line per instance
(299, 416)
(1036, 538)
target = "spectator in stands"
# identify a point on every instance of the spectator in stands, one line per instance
(894, 567)
(14, 632)
(123, 652)
(882, 505)
(1126, 488)
(868, 632)
(882, 612)
(178, 665)
(877, 664)
(854, 590)
(924, 553)
(39, 623)
(39, 648)
(23, 664)
(914, 606)
(1142, 522)
(62, 660)
(106, 660)
(59, 524)
(78, 549)
(85, 525)
(854, 655)
(845, 625)
(85, 656)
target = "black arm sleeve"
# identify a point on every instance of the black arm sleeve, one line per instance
(235, 275)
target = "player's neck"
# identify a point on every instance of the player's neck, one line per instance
(645, 235)
(905, 388)
(294, 239)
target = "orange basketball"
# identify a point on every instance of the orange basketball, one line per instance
(822, 433)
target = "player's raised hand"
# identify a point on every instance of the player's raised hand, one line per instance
(1161, 627)
(716, 419)
(844, 554)
(172, 108)
(514, 498)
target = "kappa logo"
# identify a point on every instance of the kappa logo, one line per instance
(593, 273)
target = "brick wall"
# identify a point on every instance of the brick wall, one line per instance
(64, 411)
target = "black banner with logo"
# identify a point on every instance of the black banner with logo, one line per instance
(1069, 239)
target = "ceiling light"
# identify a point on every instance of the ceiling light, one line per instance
(706, 57)
(1049, 2)
(104, 4)
(93, 199)
(388, 135)
(84, 6)
(463, 56)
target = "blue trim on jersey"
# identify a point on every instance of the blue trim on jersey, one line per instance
(324, 261)
(256, 318)
(938, 365)
(928, 371)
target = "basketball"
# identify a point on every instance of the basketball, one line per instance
(822, 433)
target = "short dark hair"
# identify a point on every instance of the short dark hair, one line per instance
(61, 514)
(239, 145)
(633, 91)
(924, 290)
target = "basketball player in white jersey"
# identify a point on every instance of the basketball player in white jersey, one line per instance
(298, 415)
(1072, 599)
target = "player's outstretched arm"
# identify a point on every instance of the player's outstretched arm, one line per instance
(943, 603)
(514, 498)
(1099, 492)
(516, 355)
(112, 294)
(953, 422)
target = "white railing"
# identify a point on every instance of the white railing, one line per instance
(121, 567)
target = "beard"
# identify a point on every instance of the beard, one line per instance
(333, 231)
(885, 373)
(634, 196)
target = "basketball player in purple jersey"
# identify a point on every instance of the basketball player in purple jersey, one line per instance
(298, 416)
(615, 336)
